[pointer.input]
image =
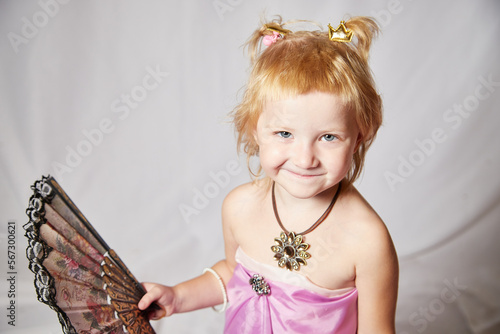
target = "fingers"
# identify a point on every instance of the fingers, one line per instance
(151, 295)
(144, 302)
(154, 293)
(157, 315)
(148, 286)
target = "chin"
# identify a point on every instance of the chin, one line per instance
(302, 191)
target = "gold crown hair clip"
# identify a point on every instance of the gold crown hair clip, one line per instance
(341, 34)
(279, 30)
(273, 33)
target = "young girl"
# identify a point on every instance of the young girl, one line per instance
(305, 253)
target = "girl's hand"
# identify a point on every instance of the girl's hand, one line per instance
(163, 296)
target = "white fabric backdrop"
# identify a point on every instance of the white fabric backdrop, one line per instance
(125, 103)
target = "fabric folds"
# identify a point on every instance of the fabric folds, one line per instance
(287, 309)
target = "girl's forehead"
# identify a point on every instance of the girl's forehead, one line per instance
(311, 101)
(282, 96)
(316, 106)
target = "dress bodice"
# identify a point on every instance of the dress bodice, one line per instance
(293, 303)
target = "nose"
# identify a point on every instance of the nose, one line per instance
(305, 156)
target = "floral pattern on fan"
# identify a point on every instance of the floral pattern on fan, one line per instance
(76, 273)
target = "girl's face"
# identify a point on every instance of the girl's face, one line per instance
(306, 143)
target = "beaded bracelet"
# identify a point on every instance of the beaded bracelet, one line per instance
(222, 287)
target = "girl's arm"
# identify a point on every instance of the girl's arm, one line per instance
(204, 290)
(199, 292)
(376, 280)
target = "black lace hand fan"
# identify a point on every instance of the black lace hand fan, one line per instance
(76, 273)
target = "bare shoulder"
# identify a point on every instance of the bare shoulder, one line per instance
(244, 198)
(238, 208)
(372, 240)
(376, 266)
(240, 196)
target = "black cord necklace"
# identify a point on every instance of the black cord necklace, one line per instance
(289, 249)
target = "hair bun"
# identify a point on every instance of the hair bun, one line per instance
(364, 29)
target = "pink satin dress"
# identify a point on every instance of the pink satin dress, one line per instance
(278, 301)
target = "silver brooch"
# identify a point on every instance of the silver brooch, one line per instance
(259, 285)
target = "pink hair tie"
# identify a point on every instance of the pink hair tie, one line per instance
(271, 39)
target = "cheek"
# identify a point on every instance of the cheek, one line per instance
(341, 162)
(270, 156)
(349, 160)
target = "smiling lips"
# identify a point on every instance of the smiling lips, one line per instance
(302, 175)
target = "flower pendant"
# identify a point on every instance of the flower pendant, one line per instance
(290, 251)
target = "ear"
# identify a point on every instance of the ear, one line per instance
(359, 140)
(255, 136)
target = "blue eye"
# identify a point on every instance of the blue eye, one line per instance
(284, 134)
(329, 137)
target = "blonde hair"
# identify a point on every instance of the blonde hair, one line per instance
(301, 62)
